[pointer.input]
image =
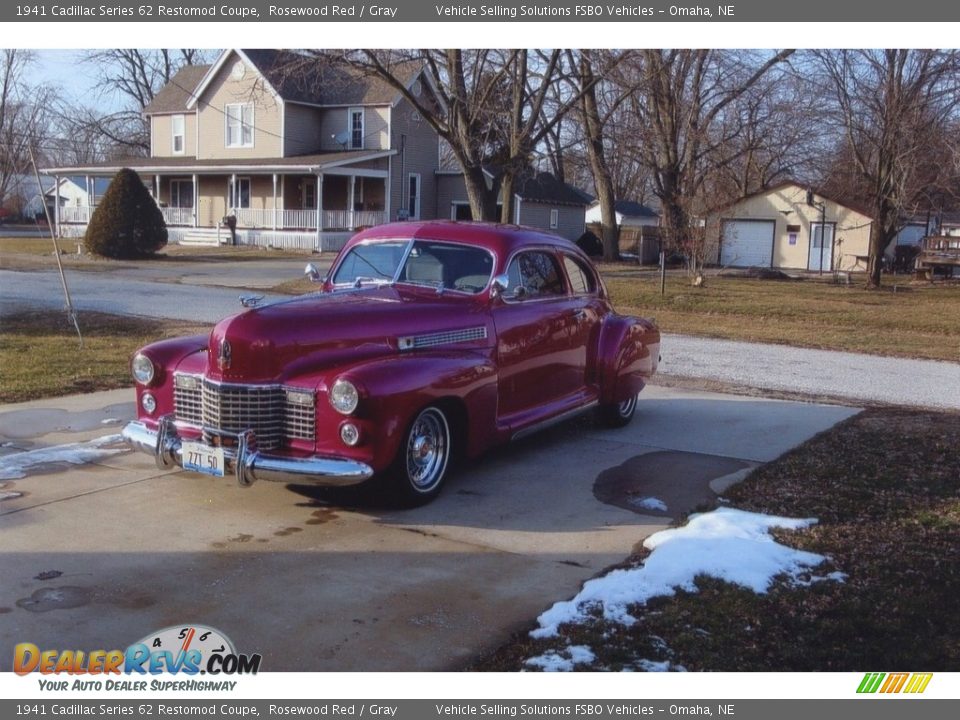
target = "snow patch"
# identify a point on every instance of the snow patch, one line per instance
(649, 503)
(659, 666)
(16, 465)
(728, 544)
(563, 660)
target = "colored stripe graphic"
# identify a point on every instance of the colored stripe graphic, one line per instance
(891, 683)
(894, 682)
(918, 683)
(870, 682)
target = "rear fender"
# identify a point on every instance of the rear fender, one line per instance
(627, 356)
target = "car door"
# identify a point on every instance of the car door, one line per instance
(587, 309)
(538, 335)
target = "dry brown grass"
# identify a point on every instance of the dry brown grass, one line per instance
(40, 355)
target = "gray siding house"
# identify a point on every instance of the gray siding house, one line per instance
(541, 201)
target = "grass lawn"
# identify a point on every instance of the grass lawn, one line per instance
(885, 487)
(37, 252)
(920, 319)
(40, 355)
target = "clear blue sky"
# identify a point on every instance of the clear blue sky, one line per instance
(75, 78)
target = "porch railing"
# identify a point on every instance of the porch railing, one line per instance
(78, 215)
(177, 216)
(256, 218)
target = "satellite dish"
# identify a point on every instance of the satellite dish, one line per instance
(341, 138)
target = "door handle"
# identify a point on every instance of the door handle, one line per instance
(579, 315)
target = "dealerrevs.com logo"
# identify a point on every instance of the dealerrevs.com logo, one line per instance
(896, 682)
(187, 649)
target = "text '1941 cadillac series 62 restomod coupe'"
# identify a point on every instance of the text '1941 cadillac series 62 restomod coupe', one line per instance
(428, 340)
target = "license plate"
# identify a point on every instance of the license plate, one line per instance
(202, 458)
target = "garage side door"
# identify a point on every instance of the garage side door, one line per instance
(747, 243)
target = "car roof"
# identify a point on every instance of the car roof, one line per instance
(502, 239)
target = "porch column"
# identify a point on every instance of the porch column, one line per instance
(386, 193)
(196, 201)
(56, 204)
(350, 200)
(90, 197)
(233, 192)
(274, 202)
(319, 244)
(156, 189)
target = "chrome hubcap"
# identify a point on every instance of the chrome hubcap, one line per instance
(427, 450)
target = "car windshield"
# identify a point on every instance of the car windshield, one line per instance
(434, 264)
(374, 262)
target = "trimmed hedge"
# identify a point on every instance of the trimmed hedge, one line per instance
(127, 223)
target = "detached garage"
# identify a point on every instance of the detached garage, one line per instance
(777, 228)
(747, 243)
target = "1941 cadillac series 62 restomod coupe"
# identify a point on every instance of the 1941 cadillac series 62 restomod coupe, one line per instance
(427, 340)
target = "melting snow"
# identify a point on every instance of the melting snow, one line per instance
(16, 465)
(649, 503)
(732, 545)
(562, 660)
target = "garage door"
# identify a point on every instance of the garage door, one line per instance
(747, 243)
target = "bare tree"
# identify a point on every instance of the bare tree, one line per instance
(23, 119)
(894, 108)
(488, 109)
(133, 76)
(681, 105)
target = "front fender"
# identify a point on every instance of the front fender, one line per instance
(395, 388)
(166, 355)
(628, 354)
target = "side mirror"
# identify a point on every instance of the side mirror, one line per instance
(311, 272)
(499, 285)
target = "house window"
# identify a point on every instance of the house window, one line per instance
(181, 193)
(308, 195)
(239, 125)
(554, 219)
(413, 198)
(239, 193)
(355, 128)
(177, 133)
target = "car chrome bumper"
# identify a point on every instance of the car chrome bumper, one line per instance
(248, 464)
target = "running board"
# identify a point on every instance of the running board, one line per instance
(555, 420)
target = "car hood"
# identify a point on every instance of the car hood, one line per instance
(325, 330)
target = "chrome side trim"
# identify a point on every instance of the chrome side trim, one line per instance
(446, 337)
(249, 465)
(555, 420)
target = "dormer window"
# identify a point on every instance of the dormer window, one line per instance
(355, 128)
(239, 117)
(177, 134)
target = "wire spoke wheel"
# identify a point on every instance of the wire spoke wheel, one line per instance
(427, 451)
(617, 415)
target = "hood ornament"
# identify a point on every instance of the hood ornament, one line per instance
(224, 355)
(250, 301)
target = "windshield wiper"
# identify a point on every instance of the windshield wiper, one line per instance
(360, 279)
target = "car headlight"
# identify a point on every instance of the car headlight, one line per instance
(143, 370)
(344, 396)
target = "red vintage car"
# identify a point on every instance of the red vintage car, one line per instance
(427, 341)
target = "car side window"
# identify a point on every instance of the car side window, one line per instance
(535, 274)
(581, 279)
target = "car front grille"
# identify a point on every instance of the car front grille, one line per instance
(273, 413)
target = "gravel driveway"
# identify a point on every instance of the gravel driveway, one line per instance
(895, 381)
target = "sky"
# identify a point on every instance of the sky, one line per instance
(76, 79)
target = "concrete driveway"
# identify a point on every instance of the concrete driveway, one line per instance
(320, 582)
